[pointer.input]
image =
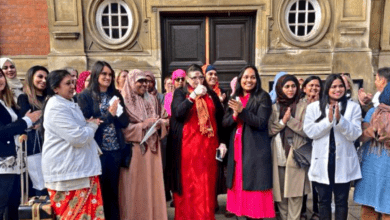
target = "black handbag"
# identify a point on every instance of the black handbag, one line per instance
(302, 155)
(127, 153)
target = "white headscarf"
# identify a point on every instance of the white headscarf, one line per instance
(14, 84)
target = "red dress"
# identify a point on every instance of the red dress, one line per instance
(253, 204)
(198, 169)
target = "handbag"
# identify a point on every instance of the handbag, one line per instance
(127, 153)
(302, 155)
(35, 166)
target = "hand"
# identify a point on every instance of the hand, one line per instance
(96, 121)
(114, 107)
(34, 116)
(200, 90)
(222, 97)
(364, 98)
(330, 113)
(287, 116)
(235, 105)
(223, 149)
(147, 123)
(337, 114)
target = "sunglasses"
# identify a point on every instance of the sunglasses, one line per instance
(180, 79)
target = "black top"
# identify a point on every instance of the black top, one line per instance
(256, 144)
(25, 105)
(181, 106)
(7, 130)
(34, 137)
(90, 108)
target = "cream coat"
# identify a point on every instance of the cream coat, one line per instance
(345, 132)
(296, 181)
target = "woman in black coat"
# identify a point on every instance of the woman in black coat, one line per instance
(249, 167)
(94, 102)
(11, 126)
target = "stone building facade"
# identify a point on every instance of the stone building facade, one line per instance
(302, 37)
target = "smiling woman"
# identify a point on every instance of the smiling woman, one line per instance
(9, 69)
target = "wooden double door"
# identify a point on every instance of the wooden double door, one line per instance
(223, 40)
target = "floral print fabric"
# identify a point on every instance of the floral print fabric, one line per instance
(82, 204)
(110, 141)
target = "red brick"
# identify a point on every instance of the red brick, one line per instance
(24, 27)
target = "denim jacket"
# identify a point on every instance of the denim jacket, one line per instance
(69, 150)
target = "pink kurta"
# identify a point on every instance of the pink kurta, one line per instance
(253, 204)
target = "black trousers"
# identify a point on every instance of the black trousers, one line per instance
(9, 195)
(109, 181)
(315, 200)
(340, 191)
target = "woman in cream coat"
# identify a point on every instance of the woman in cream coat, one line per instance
(290, 182)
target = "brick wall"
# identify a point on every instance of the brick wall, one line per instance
(24, 27)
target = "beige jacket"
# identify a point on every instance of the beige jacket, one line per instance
(296, 181)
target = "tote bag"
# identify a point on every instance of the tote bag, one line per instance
(34, 166)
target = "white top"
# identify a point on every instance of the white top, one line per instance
(11, 164)
(345, 132)
(69, 151)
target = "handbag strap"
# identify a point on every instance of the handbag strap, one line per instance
(37, 139)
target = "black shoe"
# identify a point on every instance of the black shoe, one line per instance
(229, 214)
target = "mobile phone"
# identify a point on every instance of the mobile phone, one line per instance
(218, 156)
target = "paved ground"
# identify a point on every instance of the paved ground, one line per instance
(354, 209)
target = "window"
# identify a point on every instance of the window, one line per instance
(114, 21)
(302, 18)
(304, 22)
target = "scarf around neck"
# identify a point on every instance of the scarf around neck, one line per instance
(204, 120)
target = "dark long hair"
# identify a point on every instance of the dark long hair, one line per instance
(54, 80)
(196, 67)
(309, 79)
(324, 100)
(30, 90)
(239, 90)
(97, 69)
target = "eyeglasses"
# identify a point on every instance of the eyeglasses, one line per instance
(8, 67)
(197, 77)
(142, 81)
(180, 79)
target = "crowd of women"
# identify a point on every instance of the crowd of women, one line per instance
(113, 147)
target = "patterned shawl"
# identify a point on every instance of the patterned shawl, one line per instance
(140, 108)
(80, 84)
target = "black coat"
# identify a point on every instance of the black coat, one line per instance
(256, 144)
(33, 137)
(180, 108)
(7, 131)
(90, 108)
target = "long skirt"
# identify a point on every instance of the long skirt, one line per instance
(80, 204)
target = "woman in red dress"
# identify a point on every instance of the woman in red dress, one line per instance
(196, 135)
(249, 178)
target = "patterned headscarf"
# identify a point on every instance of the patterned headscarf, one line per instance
(80, 84)
(151, 75)
(140, 108)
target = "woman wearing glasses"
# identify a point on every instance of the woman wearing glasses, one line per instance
(178, 77)
(196, 134)
(9, 69)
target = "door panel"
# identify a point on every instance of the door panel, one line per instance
(230, 40)
(231, 45)
(183, 43)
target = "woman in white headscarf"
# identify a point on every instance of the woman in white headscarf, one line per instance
(9, 69)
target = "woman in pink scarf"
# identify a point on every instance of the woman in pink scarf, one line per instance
(178, 77)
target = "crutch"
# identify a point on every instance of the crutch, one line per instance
(22, 155)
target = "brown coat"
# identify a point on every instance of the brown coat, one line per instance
(296, 181)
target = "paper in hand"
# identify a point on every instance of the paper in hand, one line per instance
(119, 110)
(150, 132)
